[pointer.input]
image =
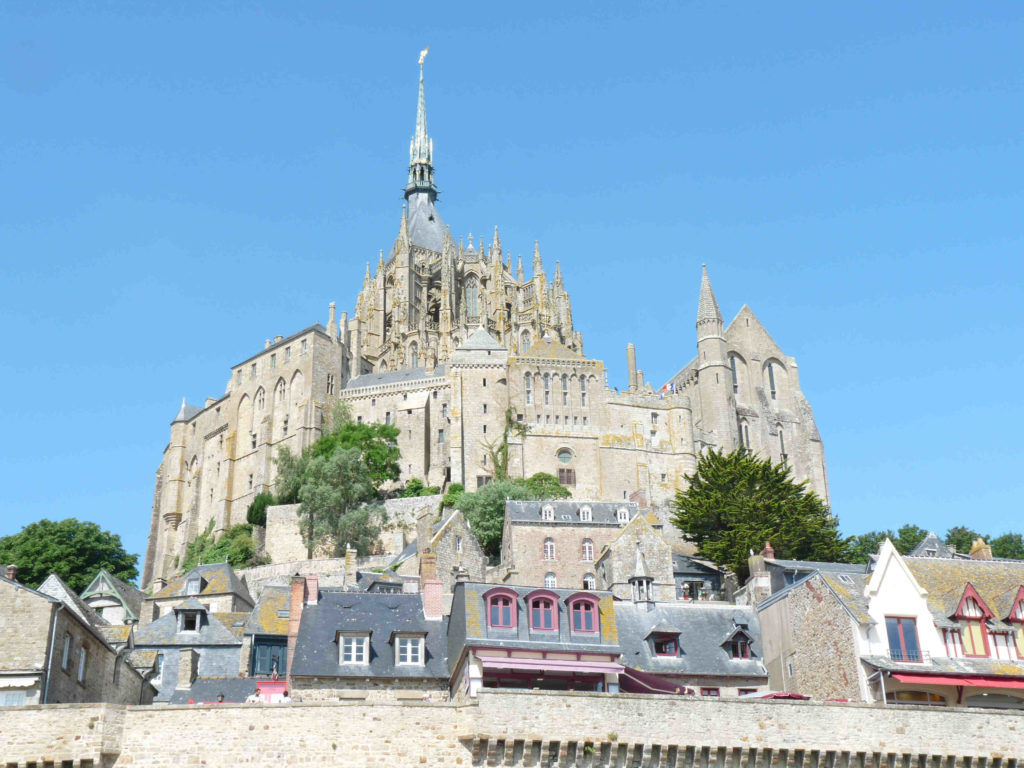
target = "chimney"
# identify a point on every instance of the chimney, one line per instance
(332, 327)
(631, 365)
(980, 550)
(266, 343)
(433, 600)
(639, 379)
(768, 552)
(296, 600)
(410, 585)
(188, 666)
(428, 567)
(350, 566)
(461, 575)
(278, 339)
(312, 590)
(12, 572)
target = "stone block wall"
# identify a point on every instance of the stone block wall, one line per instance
(308, 690)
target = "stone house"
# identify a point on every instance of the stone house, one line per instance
(453, 545)
(216, 586)
(905, 630)
(444, 340)
(189, 642)
(54, 651)
(637, 545)
(264, 649)
(510, 636)
(115, 600)
(372, 646)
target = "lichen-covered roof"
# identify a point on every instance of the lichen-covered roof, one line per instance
(270, 616)
(220, 579)
(54, 587)
(234, 622)
(214, 629)
(116, 634)
(996, 581)
(849, 588)
(550, 348)
(142, 659)
(941, 665)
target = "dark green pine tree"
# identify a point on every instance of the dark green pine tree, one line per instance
(736, 502)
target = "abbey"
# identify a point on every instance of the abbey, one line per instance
(449, 341)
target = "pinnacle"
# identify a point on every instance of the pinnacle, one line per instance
(708, 307)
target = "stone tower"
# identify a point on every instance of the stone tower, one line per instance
(716, 406)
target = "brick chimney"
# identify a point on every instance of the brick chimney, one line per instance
(312, 590)
(296, 600)
(428, 567)
(768, 552)
(188, 667)
(980, 550)
(12, 572)
(433, 599)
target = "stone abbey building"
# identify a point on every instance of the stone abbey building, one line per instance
(445, 339)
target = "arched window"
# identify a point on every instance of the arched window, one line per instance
(524, 341)
(279, 391)
(549, 549)
(587, 553)
(744, 430)
(472, 298)
(565, 389)
(414, 354)
(547, 512)
(543, 615)
(782, 446)
(735, 376)
(583, 391)
(501, 608)
(583, 614)
(260, 399)
(771, 379)
(529, 388)
(547, 389)
(550, 580)
(589, 582)
(586, 515)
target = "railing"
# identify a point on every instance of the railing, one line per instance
(917, 657)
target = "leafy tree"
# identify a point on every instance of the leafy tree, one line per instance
(74, 550)
(544, 486)
(455, 490)
(257, 512)
(339, 503)
(376, 443)
(498, 451)
(1010, 545)
(415, 487)
(236, 546)
(908, 537)
(961, 538)
(736, 502)
(867, 544)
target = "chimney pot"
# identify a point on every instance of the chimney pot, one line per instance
(12, 572)
(433, 600)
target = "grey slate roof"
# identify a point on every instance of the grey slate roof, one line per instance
(932, 546)
(425, 226)
(704, 627)
(481, 339)
(105, 583)
(57, 589)
(567, 512)
(813, 565)
(393, 377)
(164, 631)
(316, 649)
(206, 689)
(220, 579)
(186, 412)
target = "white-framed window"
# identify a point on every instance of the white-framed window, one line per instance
(587, 553)
(550, 580)
(589, 582)
(547, 512)
(189, 621)
(192, 586)
(409, 651)
(586, 514)
(65, 658)
(622, 515)
(549, 549)
(354, 649)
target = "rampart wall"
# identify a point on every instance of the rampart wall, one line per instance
(516, 729)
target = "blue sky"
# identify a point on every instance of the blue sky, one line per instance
(182, 181)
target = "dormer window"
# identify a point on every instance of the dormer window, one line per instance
(353, 648)
(501, 609)
(622, 515)
(194, 585)
(973, 613)
(666, 645)
(543, 613)
(409, 650)
(739, 647)
(586, 514)
(189, 621)
(583, 613)
(547, 512)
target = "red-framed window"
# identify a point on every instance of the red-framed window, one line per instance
(583, 614)
(745, 691)
(903, 642)
(501, 608)
(666, 645)
(543, 609)
(739, 647)
(972, 613)
(1016, 620)
(712, 692)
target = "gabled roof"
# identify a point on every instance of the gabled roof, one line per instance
(378, 614)
(106, 584)
(847, 588)
(220, 579)
(704, 628)
(996, 581)
(480, 339)
(932, 546)
(393, 377)
(567, 511)
(116, 634)
(550, 348)
(270, 615)
(186, 412)
(56, 588)
(212, 631)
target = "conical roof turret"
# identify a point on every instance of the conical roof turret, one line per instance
(421, 149)
(709, 317)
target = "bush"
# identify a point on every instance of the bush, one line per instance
(257, 513)
(454, 491)
(236, 547)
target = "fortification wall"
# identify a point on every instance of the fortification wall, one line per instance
(516, 728)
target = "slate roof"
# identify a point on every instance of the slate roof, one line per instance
(932, 543)
(702, 629)
(220, 579)
(116, 634)
(425, 226)
(318, 327)
(367, 581)
(814, 565)
(393, 377)
(567, 512)
(214, 629)
(949, 666)
(186, 412)
(480, 339)
(270, 616)
(142, 659)
(206, 689)
(997, 582)
(316, 648)
(54, 587)
(848, 588)
(549, 348)
(105, 583)
(690, 564)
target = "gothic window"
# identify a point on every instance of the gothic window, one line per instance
(279, 391)
(549, 549)
(583, 391)
(782, 446)
(587, 553)
(260, 398)
(565, 389)
(414, 354)
(529, 388)
(735, 377)
(771, 380)
(472, 299)
(547, 389)
(524, 341)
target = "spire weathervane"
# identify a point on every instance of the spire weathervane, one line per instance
(421, 148)
(423, 55)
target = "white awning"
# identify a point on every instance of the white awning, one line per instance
(18, 682)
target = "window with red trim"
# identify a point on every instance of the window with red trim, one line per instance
(745, 691)
(972, 612)
(501, 609)
(902, 634)
(1017, 618)
(584, 615)
(714, 692)
(542, 614)
(739, 647)
(666, 645)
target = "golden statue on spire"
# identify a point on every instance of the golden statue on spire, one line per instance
(423, 54)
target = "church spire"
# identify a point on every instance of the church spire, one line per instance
(421, 149)
(709, 317)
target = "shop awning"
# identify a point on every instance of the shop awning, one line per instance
(981, 681)
(634, 681)
(550, 665)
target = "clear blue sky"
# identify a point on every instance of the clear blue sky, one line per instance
(181, 181)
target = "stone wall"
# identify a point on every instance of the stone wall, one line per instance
(307, 690)
(516, 728)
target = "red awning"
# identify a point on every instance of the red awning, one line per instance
(552, 665)
(982, 681)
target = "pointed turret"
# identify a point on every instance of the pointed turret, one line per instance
(519, 269)
(495, 252)
(641, 582)
(538, 264)
(717, 417)
(421, 151)
(709, 317)
(558, 275)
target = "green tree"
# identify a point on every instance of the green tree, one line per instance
(376, 443)
(736, 502)
(235, 546)
(544, 486)
(498, 451)
(864, 545)
(908, 537)
(451, 496)
(1009, 545)
(415, 487)
(257, 512)
(961, 538)
(74, 550)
